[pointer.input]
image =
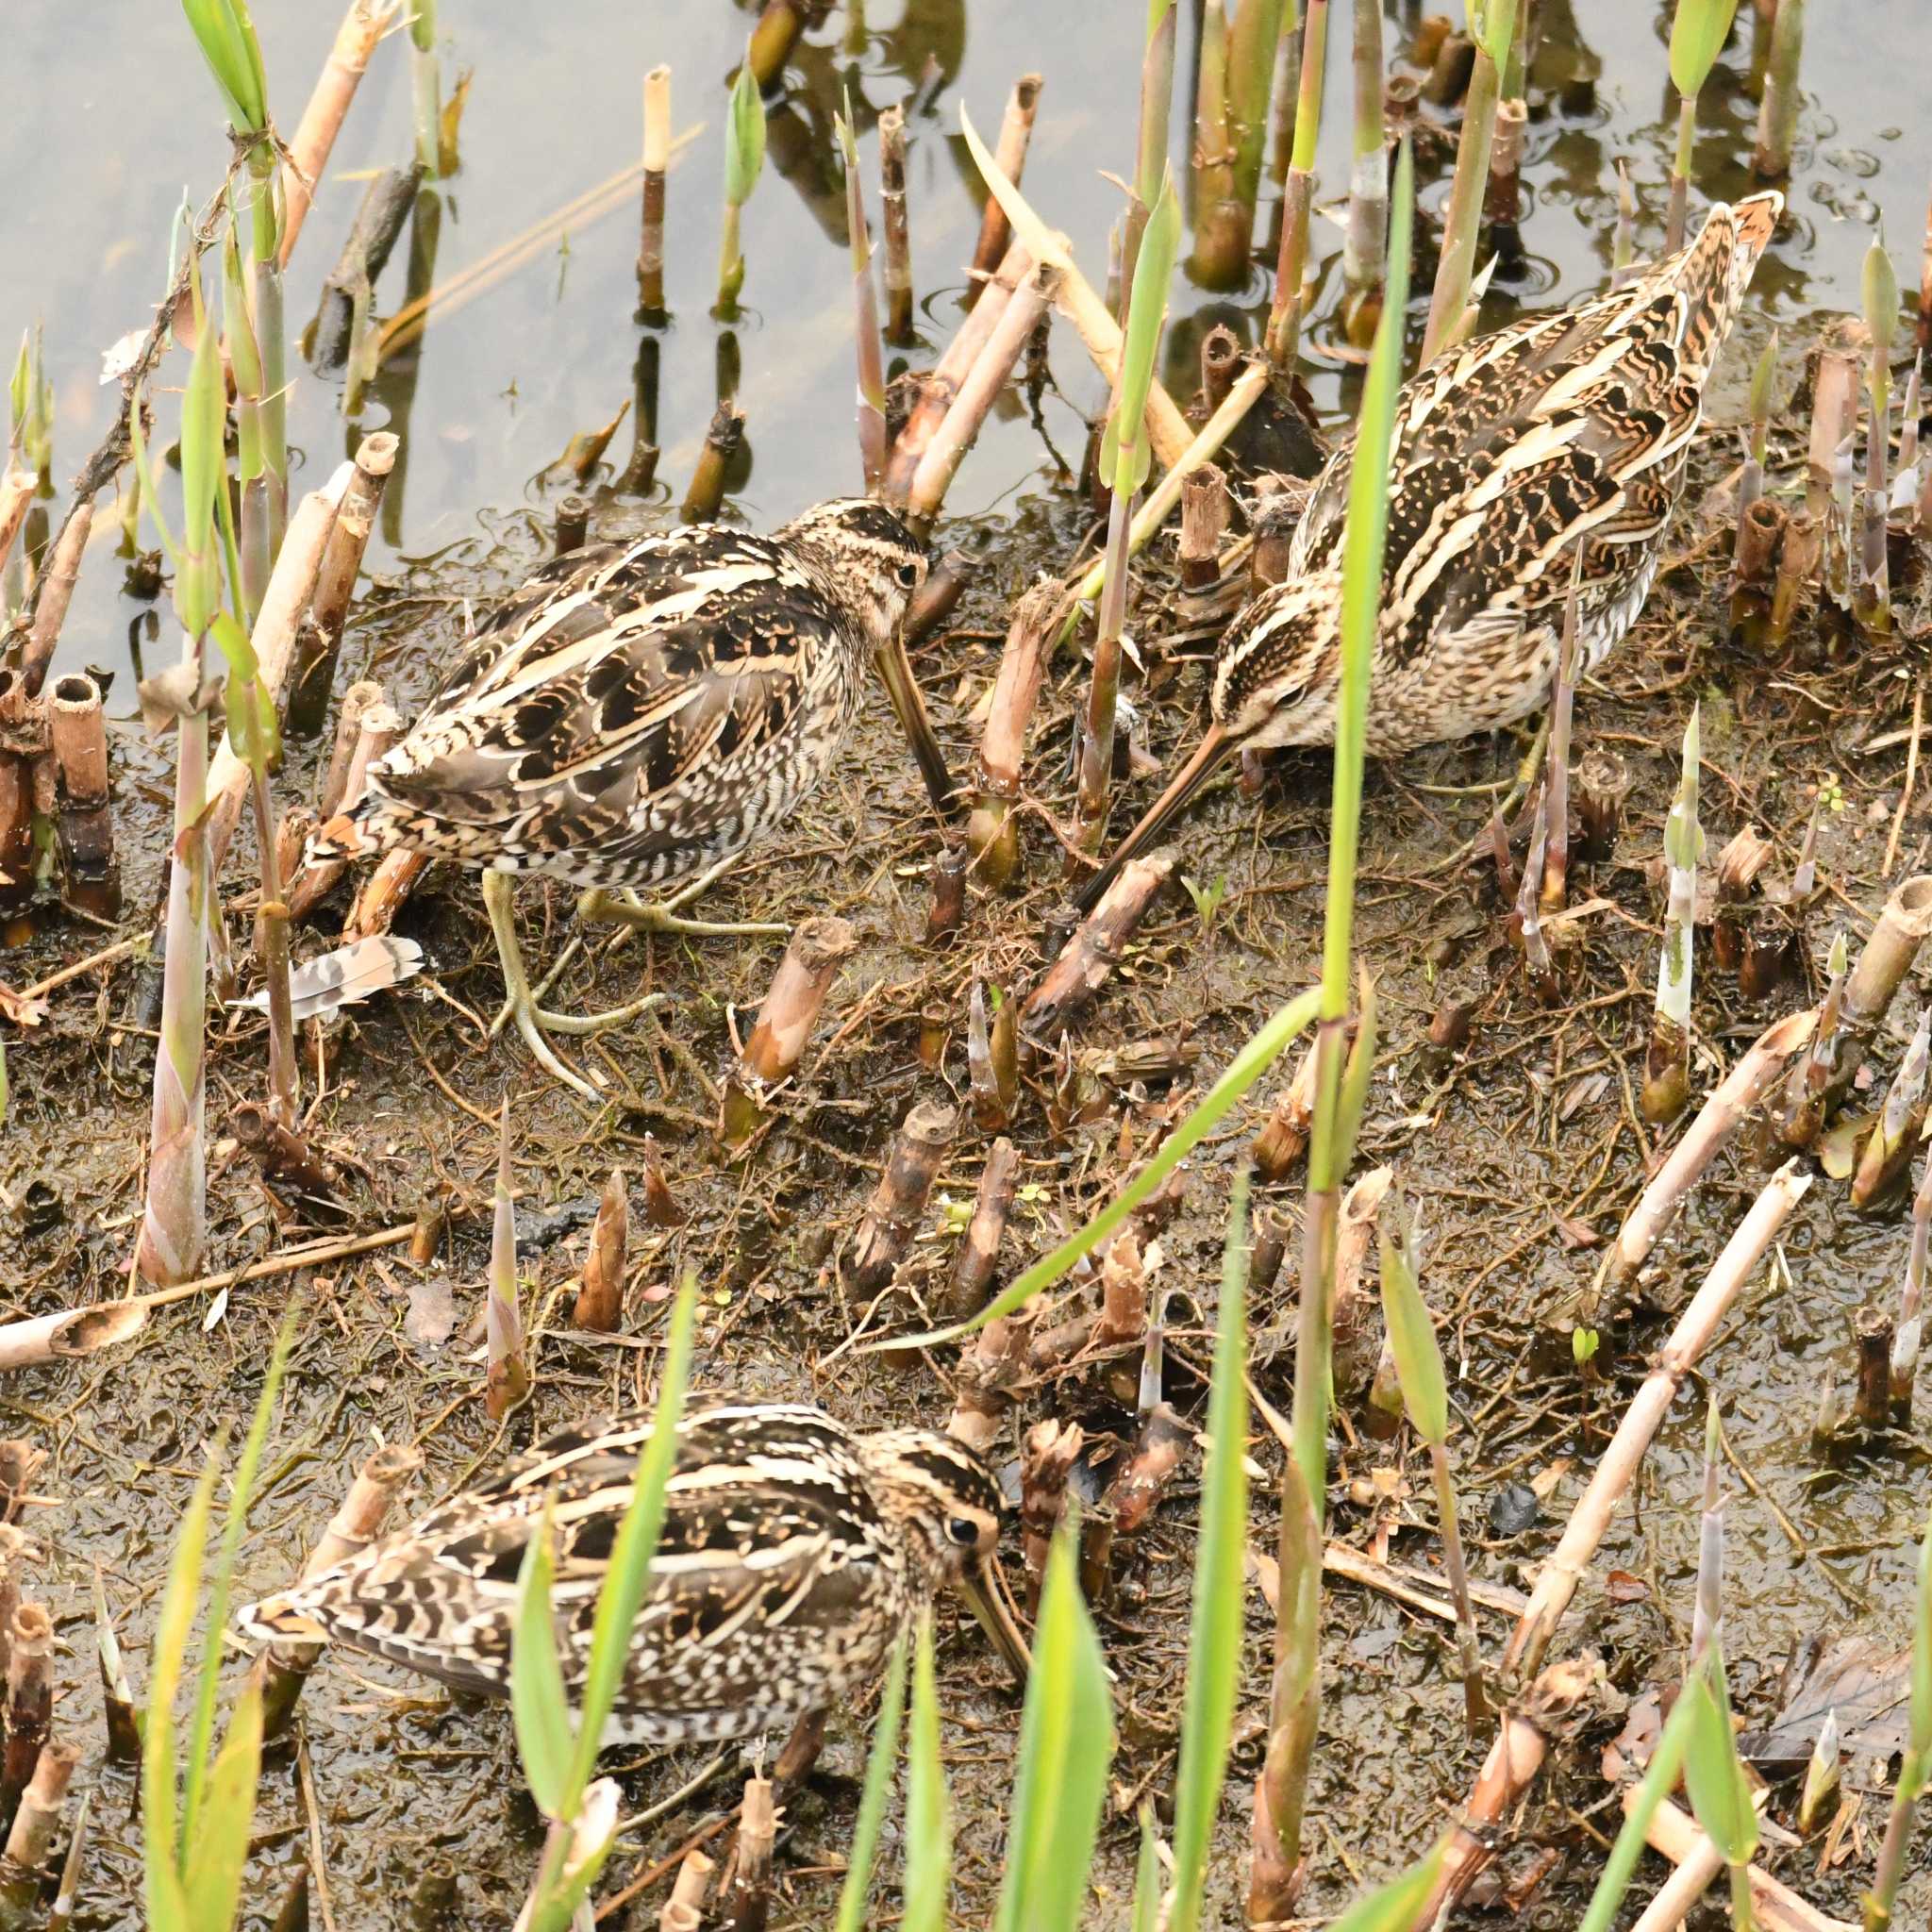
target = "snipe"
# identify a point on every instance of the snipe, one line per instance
(792, 1554)
(636, 716)
(1562, 429)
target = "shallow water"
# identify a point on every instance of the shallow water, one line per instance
(107, 119)
(488, 402)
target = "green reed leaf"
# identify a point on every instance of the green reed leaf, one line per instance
(871, 1798)
(623, 1594)
(928, 1810)
(220, 1850)
(1411, 1328)
(226, 35)
(200, 1738)
(1361, 589)
(539, 1706)
(1697, 38)
(1214, 1637)
(1125, 456)
(1066, 1745)
(1713, 1773)
(744, 136)
(1878, 282)
(167, 1899)
(1392, 1907)
(1659, 1781)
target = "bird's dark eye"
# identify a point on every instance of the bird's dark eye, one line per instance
(963, 1531)
(908, 574)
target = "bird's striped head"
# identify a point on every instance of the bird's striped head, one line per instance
(868, 562)
(941, 1493)
(945, 1500)
(1279, 669)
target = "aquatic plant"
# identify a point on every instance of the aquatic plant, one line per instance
(744, 158)
(1698, 32)
(1491, 27)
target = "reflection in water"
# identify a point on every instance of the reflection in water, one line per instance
(395, 382)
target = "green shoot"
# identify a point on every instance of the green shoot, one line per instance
(1214, 1639)
(1066, 1745)
(872, 1799)
(928, 1813)
(744, 155)
(1715, 1777)
(195, 1840)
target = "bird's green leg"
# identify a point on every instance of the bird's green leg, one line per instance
(662, 915)
(519, 1003)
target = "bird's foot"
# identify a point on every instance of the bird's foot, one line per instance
(662, 916)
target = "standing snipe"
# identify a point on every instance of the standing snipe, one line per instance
(1563, 428)
(792, 1554)
(632, 716)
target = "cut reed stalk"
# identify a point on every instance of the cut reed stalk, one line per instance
(1365, 237)
(749, 1904)
(777, 1042)
(656, 168)
(318, 639)
(872, 372)
(38, 1821)
(1503, 197)
(1450, 296)
(1895, 1133)
(723, 441)
(1092, 318)
(53, 591)
(1087, 960)
(898, 1202)
(1667, 1063)
(978, 391)
(940, 387)
(1881, 969)
(1204, 523)
(1016, 132)
(1777, 111)
(285, 1667)
(978, 1261)
(1909, 1334)
(1298, 193)
(80, 744)
(306, 158)
(1557, 1579)
(1554, 884)
(898, 231)
(348, 288)
(272, 636)
(29, 1700)
(1715, 1121)
(506, 1381)
(23, 743)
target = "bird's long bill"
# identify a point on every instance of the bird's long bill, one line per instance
(1209, 757)
(895, 668)
(987, 1601)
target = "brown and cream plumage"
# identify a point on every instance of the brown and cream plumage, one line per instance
(1562, 429)
(635, 714)
(792, 1552)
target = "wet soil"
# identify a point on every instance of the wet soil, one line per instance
(1524, 1149)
